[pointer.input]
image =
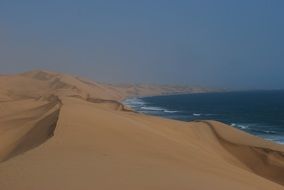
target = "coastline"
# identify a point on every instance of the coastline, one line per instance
(61, 133)
(158, 106)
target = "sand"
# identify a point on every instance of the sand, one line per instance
(61, 132)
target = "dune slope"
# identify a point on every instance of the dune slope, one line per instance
(61, 132)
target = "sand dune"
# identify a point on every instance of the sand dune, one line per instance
(63, 132)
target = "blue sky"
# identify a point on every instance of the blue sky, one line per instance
(234, 44)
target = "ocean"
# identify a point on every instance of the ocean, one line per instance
(260, 113)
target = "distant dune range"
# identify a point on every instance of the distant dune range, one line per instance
(62, 132)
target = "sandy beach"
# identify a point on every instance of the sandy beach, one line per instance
(59, 132)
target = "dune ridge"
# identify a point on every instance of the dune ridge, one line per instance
(63, 132)
(253, 154)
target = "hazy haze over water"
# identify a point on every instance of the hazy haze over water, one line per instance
(224, 43)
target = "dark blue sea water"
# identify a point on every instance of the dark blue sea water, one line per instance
(258, 112)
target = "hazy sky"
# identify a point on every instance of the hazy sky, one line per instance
(225, 43)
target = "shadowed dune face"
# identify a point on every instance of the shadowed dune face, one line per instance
(30, 124)
(61, 132)
(271, 161)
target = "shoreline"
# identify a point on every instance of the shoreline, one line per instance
(62, 133)
(164, 112)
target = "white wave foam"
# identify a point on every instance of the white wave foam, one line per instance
(197, 114)
(240, 126)
(152, 108)
(252, 127)
(139, 104)
(158, 109)
(276, 138)
(280, 142)
(201, 114)
(169, 111)
(270, 132)
(134, 101)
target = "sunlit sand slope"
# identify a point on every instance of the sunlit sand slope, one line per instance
(61, 132)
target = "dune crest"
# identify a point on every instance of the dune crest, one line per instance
(63, 132)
